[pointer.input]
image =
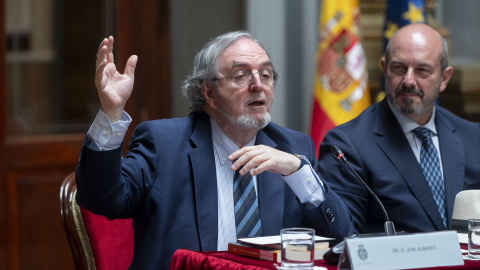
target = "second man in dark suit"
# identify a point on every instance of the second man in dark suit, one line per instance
(414, 155)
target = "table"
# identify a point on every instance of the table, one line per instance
(184, 259)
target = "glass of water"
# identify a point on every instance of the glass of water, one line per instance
(298, 247)
(474, 238)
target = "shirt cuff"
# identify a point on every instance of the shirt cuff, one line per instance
(307, 186)
(106, 135)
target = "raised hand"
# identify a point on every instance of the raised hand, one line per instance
(113, 88)
(260, 158)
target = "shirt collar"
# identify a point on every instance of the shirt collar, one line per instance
(222, 144)
(409, 125)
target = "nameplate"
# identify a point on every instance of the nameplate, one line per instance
(404, 251)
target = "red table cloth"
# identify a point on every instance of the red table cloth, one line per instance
(186, 260)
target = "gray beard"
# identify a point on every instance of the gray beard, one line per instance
(409, 109)
(246, 122)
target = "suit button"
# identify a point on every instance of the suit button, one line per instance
(329, 214)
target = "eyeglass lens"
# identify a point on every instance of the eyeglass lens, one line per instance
(244, 78)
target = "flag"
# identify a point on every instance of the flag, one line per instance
(398, 14)
(341, 80)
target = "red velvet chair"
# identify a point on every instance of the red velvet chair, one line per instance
(96, 242)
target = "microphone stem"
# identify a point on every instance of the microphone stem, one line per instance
(369, 191)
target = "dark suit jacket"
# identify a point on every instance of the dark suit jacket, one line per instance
(167, 184)
(378, 150)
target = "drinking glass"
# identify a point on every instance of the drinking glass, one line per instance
(474, 238)
(298, 246)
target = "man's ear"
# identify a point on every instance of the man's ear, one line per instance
(383, 65)
(446, 75)
(210, 95)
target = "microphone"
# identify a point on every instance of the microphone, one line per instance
(389, 227)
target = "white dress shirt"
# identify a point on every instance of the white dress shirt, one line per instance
(107, 136)
(415, 143)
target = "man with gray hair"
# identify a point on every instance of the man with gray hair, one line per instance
(222, 173)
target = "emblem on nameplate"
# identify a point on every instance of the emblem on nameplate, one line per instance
(362, 252)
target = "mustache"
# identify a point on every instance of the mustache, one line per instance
(258, 97)
(408, 90)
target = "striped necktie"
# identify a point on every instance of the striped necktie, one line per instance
(430, 164)
(247, 216)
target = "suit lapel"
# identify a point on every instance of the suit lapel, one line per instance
(270, 194)
(454, 165)
(396, 147)
(205, 183)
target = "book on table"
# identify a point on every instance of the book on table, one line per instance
(269, 248)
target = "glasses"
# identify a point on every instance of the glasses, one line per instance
(244, 78)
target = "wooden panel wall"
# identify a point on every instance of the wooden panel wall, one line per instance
(33, 167)
(3, 193)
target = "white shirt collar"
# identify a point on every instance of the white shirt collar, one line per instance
(409, 125)
(223, 145)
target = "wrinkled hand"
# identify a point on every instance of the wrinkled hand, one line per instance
(262, 158)
(113, 88)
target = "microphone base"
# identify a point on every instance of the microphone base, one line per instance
(389, 228)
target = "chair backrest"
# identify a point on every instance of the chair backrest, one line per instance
(96, 242)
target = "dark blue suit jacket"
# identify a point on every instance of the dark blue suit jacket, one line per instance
(378, 150)
(167, 184)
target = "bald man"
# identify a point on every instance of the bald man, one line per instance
(414, 155)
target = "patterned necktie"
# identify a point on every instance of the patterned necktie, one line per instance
(431, 169)
(247, 216)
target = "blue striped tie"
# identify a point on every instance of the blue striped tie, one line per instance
(431, 169)
(247, 216)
